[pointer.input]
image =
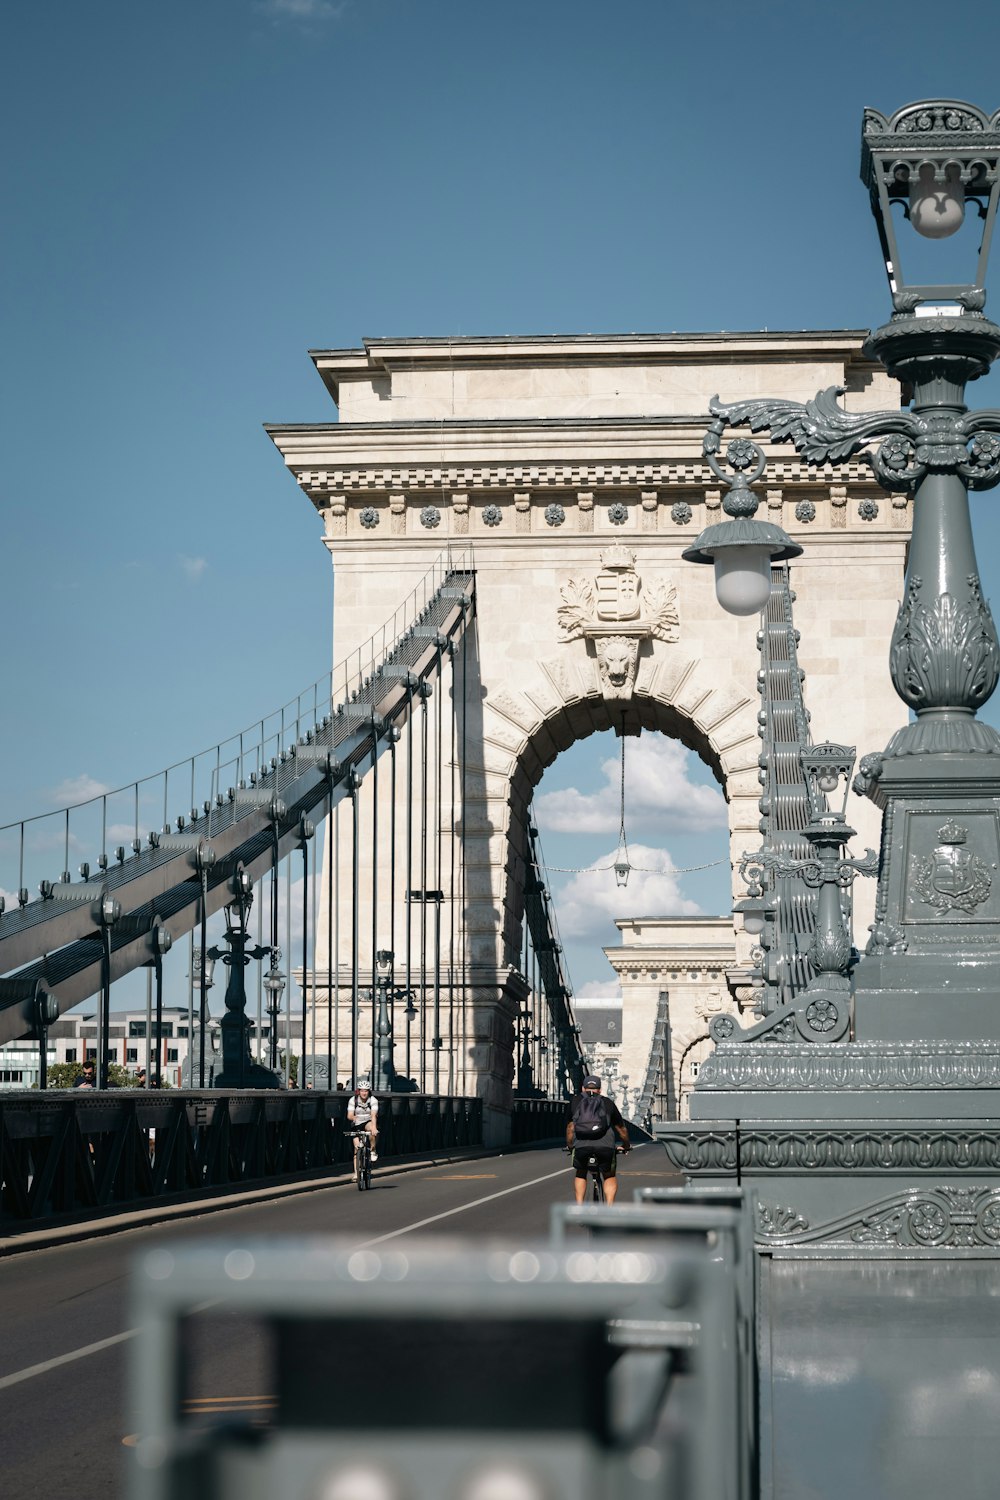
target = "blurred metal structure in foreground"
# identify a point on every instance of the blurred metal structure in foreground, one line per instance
(517, 1373)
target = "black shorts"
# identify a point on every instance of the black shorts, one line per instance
(605, 1156)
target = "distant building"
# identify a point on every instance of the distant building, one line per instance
(675, 974)
(73, 1039)
(599, 1018)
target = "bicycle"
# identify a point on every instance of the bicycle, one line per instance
(597, 1194)
(362, 1159)
(596, 1181)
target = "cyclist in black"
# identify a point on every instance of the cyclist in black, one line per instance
(590, 1131)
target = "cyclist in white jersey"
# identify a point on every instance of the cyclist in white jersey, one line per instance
(362, 1113)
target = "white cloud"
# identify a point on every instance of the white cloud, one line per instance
(77, 789)
(302, 10)
(589, 902)
(597, 992)
(659, 798)
(192, 567)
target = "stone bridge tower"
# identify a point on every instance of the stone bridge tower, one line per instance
(570, 469)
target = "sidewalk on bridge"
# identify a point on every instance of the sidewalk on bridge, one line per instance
(215, 1202)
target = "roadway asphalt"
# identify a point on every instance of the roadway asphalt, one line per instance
(65, 1317)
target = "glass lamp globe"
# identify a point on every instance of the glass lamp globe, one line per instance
(937, 209)
(743, 578)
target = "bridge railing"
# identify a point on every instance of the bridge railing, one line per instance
(538, 1120)
(78, 1153)
(620, 1365)
(111, 825)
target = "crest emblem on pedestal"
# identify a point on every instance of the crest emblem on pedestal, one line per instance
(952, 877)
(618, 612)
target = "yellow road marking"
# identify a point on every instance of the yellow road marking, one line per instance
(195, 1401)
(465, 1177)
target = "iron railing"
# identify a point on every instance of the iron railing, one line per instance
(79, 1154)
(538, 1120)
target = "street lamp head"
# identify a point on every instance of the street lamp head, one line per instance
(827, 767)
(196, 971)
(753, 909)
(742, 549)
(929, 161)
(622, 871)
(274, 983)
(236, 913)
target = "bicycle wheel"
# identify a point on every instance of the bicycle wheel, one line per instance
(597, 1188)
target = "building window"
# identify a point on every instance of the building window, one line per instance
(137, 1028)
(91, 1054)
(171, 1054)
(71, 1054)
(694, 1069)
(181, 1031)
(167, 1029)
(11, 1075)
(131, 1054)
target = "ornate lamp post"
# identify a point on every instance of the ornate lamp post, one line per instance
(864, 1128)
(203, 977)
(383, 1067)
(930, 162)
(525, 1074)
(274, 984)
(822, 1010)
(239, 1070)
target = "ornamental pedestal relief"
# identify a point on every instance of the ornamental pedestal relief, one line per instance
(616, 612)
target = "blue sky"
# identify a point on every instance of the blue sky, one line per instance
(197, 193)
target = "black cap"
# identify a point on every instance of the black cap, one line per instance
(591, 1083)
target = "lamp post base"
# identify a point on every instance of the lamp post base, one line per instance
(932, 967)
(255, 1076)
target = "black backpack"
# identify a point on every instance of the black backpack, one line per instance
(590, 1117)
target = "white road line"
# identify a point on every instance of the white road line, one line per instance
(130, 1333)
(435, 1218)
(65, 1359)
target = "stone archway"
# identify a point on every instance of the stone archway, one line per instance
(524, 728)
(569, 472)
(562, 700)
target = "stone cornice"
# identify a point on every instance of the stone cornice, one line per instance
(873, 1149)
(672, 958)
(596, 453)
(853, 1065)
(762, 346)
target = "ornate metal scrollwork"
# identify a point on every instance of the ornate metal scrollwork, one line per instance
(914, 444)
(942, 652)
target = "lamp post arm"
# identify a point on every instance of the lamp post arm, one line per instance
(849, 869)
(760, 862)
(819, 429)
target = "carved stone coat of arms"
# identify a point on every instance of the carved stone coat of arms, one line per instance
(952, 877)
(616, 610)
